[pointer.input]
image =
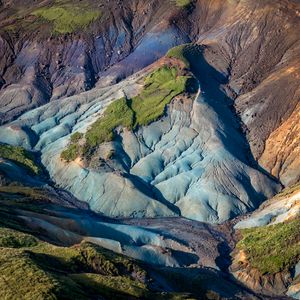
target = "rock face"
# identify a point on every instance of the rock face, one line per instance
(266, 87)
(281, 154)
(281, 208)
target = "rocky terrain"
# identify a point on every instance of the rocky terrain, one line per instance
(155, 130)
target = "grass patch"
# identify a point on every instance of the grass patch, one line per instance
(71, 153)
(117, 114)
(272, 249)
(67, 18)
(73, 150)
(160, 87)
(187, 53)
(39, 270)
(15, 239)
(20, 156)
(27, 192)
(183, 3)
(32, 269)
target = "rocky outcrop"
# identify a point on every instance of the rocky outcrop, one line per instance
(281, 154)
(194, 149)
(270, 285)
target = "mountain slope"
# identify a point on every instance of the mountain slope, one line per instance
(50, 250)
(155, 130)
(192, 147)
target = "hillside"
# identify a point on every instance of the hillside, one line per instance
(160, 134)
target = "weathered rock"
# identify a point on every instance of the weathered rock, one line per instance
(193, 162)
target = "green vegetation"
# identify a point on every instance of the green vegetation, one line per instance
(117, 114)
(272, 249)
(161, 86)
(183, 3)
(33, 269)
(186, 53)
(75, 137)
(14, 239)
(72, 152)
(20, 156)
(67, 18)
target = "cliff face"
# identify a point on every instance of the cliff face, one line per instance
(257, 46)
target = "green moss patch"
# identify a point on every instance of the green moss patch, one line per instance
(272, 249)
(20, 156)
(187, 53)
(183, 3)
(67, 18)
(118, 113)
(160, 87)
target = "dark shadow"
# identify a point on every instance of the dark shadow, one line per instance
(223, 261)
(202, 282)
(151, 191)
(185, 258)
(212, 84)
